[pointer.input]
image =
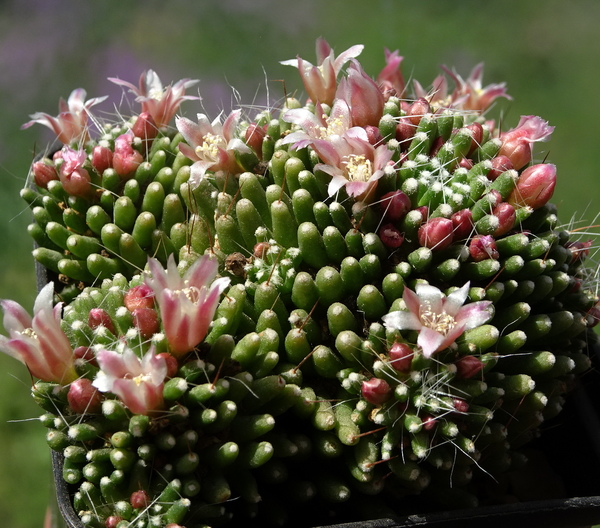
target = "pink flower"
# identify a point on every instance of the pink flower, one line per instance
(187, 304)
(161, 103)
(362, 95)
(210, 145)
(138, 383)
(353, 163)
(71, 122)
(320, 80)
(516, 143)
(440, 320)
(39, 342)
(73, 176)
(390, 79)
(126, 159)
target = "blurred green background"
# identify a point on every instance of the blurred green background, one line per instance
(547, 52)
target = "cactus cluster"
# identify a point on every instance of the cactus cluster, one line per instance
(400, 308)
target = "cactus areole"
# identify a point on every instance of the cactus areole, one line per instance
(288, 317)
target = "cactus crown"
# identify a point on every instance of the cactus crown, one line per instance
(367, 296)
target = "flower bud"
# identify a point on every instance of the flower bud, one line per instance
(483, 247)
(83, 397)
(86, 354)
(535, 186)
(462, 222)
(401, 356)
(405, 131)
(500, 164)
(506, 215)
(254, 138)
(44, 172)
(460, 405)
(172, 364)
(476, 135)
(101, 158)
(429, 421)
(390, 236)
(112, 521)
(579, 250)
(140, 296)
(467, 367)
(418, 109)
(362, 95)
(436, 233)
(145, 127)
(140, 499)
(125, 159)
(99, 316)
(376, 391)
(465, 163)
(394, 205)
(374, 135)
(146, 321)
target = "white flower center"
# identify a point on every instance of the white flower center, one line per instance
(333, 127)
(142, 378)
(209, 150)
(358, 168)
(440, 322)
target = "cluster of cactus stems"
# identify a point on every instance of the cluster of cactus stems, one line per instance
(367, 297)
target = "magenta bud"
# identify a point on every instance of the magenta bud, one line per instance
(83, 397)
(172, 364)
(500, 164)
(394, 205)
(99, 316)
(145, 127)
(125, 159)
(424, 210)
(535, 186)
(76, 183)
(376, 391)
(476, 135)
(374, 135)
(112, 521)
(579, 250)
(418, 109)
(462, 222)
(254, 138)
(140, 499)
(86, 354)
(437, 233)
(467, 367)
(593, 316)
(101, 158)
(506, 215)
(483, 247)
(43, 173)
(390, 236)
(460, 405)
(429, 421)
(140, 296)
(401, 356)
(146, 321)
(405, 131)
(465, 163)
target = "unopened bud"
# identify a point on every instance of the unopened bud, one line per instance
(460, 405)
(145, 127)
(483, 247)
(401, 356)
(390, 236)
(172, 364)
(467, 367)
(44, 172)
(506, 215)
(146, 321)
(99, 316)
(394, 205)
(374, 135)
(255, 135)
(101, 158)
(141, 296)
(477, 136)
(139, 499)
(83, 397)
(125, 159)
(418, 109)
(436, 233)
(376, 391)
(462, 223)
(500, 164)
(535, 186)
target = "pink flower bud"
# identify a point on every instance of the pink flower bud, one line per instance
(146, 321)
(101, 158)
(125, 159)
(401, 356)
(424, 210)
(460, 405)
(579, 250)
(260, 249)
(506, 215)
(483, 247)
(593, 316)
(362, 95)
(390, 236)
(405, 131)
(500, 164)
(44, 172)
(517, 141)
(374, 135)
(462, 222)
(376, 391)
(171, 362)
(418, 109)
(476, 135)
(437, 233)
(112, 521)
(467, 367)
(74, 178)
(86, 354)
(140, 296)
(99, 316)
(394, 205)
(139, 499)
(437, 144)
(145, 127)
(429, 422)
(535, 186)
(465, 163)
(254, 138)
(83, 397)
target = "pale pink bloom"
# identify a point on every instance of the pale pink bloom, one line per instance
(187, 304)
(160, 102)
(39, 342)
(71, 122)
(211, 146)
(362, 95)
(516, 143)
(390, 79)
(320, 81)
(440, 320)
(137, 382)
(472, 94)
(353, 163)
(73, 176)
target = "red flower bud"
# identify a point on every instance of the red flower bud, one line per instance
(83, 397)
(112, 521)
(476, 135)
(500, 164)
(254, 138)
(405, 131)
(535, 186)
(376, 391)
(466, 163)
(99, 316)
(44, 172)
(579, 250)
(424, 210)
(374, 135)
(145, 127)
(460, 405)
(401, 356)
(86, 354)
(140, 296)
(462, 222)
(139, 499)
(390, 236)
(125, 159)
(418, 109)
(101, 158)
(437, 233)
(394, 205)
(429, 422)
(483, 247)
(467, 367)
(146, 321)
(260, 249)
(506, 215)
(172, 364)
